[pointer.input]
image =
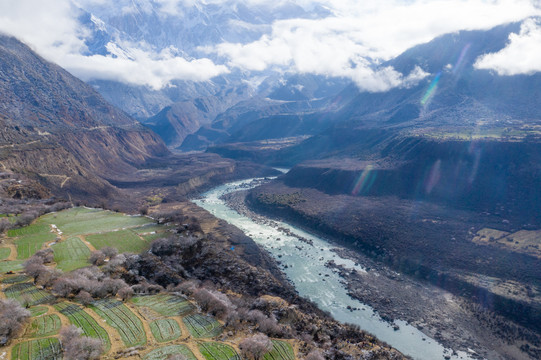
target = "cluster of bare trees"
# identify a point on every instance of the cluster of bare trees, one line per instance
(255, 347)
(25, 217)
(12, 318)
(77, 347)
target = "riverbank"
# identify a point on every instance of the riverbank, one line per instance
(450, 319)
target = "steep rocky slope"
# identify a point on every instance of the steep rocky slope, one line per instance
(59, 130)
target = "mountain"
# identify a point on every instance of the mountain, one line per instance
(60, 130)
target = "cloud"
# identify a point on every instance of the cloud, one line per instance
(51, 28)
(359, 36)
(522, 55)
(352, 40)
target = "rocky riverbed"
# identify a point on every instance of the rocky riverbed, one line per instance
(453, 321)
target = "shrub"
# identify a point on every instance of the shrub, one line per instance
(314, 355)
(97, 258)
(12, 318)
(77, 347)
(255, 347)
(84, 297)
(125, 293)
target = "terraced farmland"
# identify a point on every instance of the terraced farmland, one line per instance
(71, 254)
(39, 349)
(26, 293)
(34, 229)
(15, 265)
(78, 221)
(123, 320)
(281, 350)
(45, 325)
(80, 318)
(165, 330)
(165, 304)
(4, 253)
(201, 326)
(13, 279)
(122, 240)
(164, 352)
(38, 311)
(218, 351)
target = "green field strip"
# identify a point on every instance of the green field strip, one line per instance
(164, 352)
(33, 229)
(201, 326)
(14, 279)
(217, 351)
(117, 315)
(36, 311)
(281, 350)
(39, 349)
(79, 221)
(4, 253)
(165, 330)
(80, 318)
(15, 265)
(45, 326)
(71, 254)
(122, 240)
(28, 245)
(165, 304)
(26, 293)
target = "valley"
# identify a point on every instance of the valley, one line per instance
(248, 180)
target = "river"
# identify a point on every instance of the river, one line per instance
(304, 265)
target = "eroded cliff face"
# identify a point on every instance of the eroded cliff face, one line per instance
(60, 131)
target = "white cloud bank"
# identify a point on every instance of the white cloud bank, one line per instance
(51, 28)
(352, 42)
(522, 55)
(360, 35)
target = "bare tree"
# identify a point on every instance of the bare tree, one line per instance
(5, 225)
(77, 347)
(125, 293)
(255, 347)
(97, 258)
(84, 297)
(12, 318)
(314, 355)
(109, 252)
(177, 357)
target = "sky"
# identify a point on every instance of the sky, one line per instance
(351, 41)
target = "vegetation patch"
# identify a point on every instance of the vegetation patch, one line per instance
(15, 265)
(28, 294)
(122, 240)
(281, 350)
(45, 325)
(34, 229)
(80, 318)
(166, 351)
(39, 349)
(71, 254)
(78, 221)
(37, 311)
(28, 245)
(217, 351)
(165, 304)
(165, 330)
(123, 320)
(201, 326)
(14, 279)
(4, 253)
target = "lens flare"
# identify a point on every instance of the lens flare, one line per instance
(461, 58)
(431, 89)
(365, 180)
(433, 177)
